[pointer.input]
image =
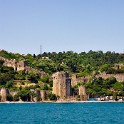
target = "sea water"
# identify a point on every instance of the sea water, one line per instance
(62, 113)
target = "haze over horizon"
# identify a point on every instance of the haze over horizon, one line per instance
(63, 25)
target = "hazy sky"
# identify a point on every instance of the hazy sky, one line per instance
(61, 25)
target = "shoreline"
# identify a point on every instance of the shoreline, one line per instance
(8, 102)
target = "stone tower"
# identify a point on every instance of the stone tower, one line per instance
(82, 90)
(82, 93)
(61, 85)
(43, 95)
(10, 63)
(3, 94)
(21, 65)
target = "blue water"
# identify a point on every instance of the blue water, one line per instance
(66, 113)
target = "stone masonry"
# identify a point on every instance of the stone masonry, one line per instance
(61, 85)
(20, 66)
(82, 93)
(3, 93)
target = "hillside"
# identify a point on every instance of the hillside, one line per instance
(101, 73)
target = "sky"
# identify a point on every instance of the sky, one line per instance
(61, 25)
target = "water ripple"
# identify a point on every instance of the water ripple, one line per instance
(49, 113)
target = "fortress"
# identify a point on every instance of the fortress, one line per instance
(14, 64)
(41, 94)
(62, 87)
(20, 66)
(119, 77)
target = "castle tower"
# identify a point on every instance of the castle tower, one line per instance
(3, 94)
(10, 63)
(43, 95)
(61, 85)
(82, 93)
(21, 65)
(82, 90)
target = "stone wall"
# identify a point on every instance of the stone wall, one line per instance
(43, 95)
(30, 69)
(119, 77)
(82, 90)
(21, 66)
(76, 80)
(82, 93)
(68, 87)
(85, 79)
(10, 63)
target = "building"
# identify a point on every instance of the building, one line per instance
(21, 65)
(61, 85)
(82, 93)
(3, 93)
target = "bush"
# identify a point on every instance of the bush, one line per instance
(51, 96)
(9, 84)
(24, 95)
(1, 62)
(16, 97)
(115, 96)
(9, 97)
(44, 87)
(45, 79)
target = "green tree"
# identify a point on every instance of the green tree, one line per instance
(1, 62)
(33, 77)
(24, 94)
(9, 84)
(9, 97)
(45, 79)
(44, 87)
(51, 96)
(16, 97)
(104, 67)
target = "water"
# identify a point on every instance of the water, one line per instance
(66, 113)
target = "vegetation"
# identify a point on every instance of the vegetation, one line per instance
(9, 97)
(70, 61)
(80, 64)
(51, 96)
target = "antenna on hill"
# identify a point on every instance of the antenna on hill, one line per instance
(40, 49)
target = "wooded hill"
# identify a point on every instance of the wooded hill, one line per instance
(81, 64)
